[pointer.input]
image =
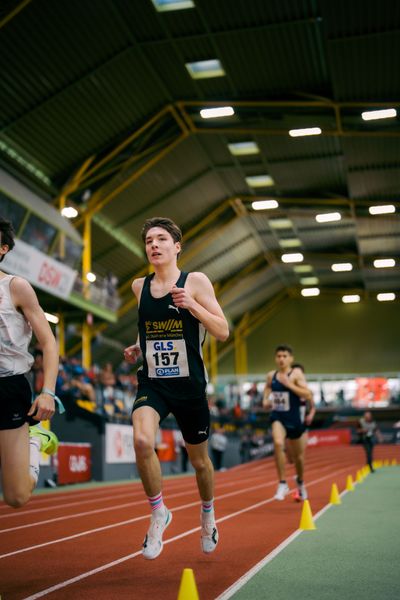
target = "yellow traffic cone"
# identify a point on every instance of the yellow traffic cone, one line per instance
(394, 462)
(359, 477)
(367, 470)
(306, 521)
(335, 498)
(386, 462)
(188, 589)
(349, 484)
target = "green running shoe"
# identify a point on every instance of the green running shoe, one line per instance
(48, 439)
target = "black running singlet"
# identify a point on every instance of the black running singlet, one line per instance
(171, 341)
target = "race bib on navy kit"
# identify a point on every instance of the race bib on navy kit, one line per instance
(167, 358)
(280, 401)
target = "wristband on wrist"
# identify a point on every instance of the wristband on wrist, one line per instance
(61, 408)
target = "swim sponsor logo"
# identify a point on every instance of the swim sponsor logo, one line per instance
(169, 325)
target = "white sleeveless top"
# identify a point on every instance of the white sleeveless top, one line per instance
(15, 335)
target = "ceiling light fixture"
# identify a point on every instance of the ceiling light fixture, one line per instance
(386, 297)
(309, 280)
(165, 5)
(216, 113)
(91, 277)
(280, 223)
(381, 263)
(289, 243)
(383, 209)
(256, 181)
(304, 132)
(328, 217)
(69, 212)
(302, 269)
(338, 267)
(309, 292)
(351, 298)
(373, 115)
(292, 257)
(264, 204)
(203, 69)
(243, 148)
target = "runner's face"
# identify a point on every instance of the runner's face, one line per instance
(283, 359)
(160, 247)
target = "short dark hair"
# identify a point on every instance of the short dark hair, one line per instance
(284, 348)
(7, 235)
(298, 366)
(164, 223)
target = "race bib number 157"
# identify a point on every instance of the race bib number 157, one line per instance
(167, 358)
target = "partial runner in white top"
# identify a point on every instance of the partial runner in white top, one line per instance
(15, 334)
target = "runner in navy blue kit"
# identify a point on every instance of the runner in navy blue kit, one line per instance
(175, 311)
(285, 391)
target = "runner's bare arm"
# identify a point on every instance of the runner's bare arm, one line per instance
(296, 383)
(25, 299)
(132, 353)
(199, 298)
(267, 392)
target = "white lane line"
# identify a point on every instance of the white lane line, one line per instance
(126, 522)
(115, 506)
(235, 587)
(87, 574)
(54, 506)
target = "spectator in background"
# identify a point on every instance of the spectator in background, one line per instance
(218, 444)
(368, 430)
(244, 448)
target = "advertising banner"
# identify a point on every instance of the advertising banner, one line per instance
(119, 444)
(74, 463)
(329, 437)
(39, 269)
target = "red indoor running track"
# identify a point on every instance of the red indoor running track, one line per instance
(86, 543)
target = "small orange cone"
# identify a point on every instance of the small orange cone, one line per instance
(306, 521)
(349, 484)
(188, 588)
(335, 498)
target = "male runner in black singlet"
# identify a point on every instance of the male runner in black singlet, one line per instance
(285, 391)
(175, 311)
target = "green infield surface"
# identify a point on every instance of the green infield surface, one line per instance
(352, 554)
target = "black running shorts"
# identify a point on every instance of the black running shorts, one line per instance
(15, 402)
(192, 415)
(294, 430)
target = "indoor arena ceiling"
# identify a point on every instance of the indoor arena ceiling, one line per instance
(97, 104)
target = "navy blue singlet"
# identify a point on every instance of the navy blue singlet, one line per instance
(285, 404)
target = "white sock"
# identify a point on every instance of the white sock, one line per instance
(34, 458)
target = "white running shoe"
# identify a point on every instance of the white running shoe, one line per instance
(300, 492)
(281, 491)
(153, 543)
(209, 534)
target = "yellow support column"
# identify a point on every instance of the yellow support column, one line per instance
(213, 360)
(61, 334)
(206, 353)
(86, 345)
(86, 255)
(241, 365)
